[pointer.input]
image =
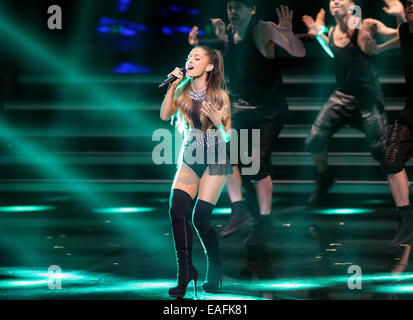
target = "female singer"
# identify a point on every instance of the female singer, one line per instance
(200, 103)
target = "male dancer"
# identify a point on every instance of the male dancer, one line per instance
(400, 145)
(358, 99)
(256, 92)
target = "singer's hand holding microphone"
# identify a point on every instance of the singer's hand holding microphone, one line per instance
(174, 78)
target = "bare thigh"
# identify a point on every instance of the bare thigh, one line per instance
(210, 187)
(186, 180)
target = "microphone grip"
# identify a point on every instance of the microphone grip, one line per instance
(170, 79)
(167, 81)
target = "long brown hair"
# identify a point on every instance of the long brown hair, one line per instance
(216, 83)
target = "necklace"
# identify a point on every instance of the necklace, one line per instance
(197, 96)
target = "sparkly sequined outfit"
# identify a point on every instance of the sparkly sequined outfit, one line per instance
(209, 144)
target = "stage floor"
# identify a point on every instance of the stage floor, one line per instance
(58, 246)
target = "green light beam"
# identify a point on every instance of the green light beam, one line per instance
(43, 53)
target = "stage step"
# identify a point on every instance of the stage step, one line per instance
(162, 186)
(129, 89)
(99, 129)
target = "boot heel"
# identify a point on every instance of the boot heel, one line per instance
(195, 289)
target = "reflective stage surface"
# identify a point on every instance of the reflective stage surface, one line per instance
(54, 248)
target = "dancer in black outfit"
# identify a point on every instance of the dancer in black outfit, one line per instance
(400, 145)
(258, 98)
(358, 100)
(201, 104)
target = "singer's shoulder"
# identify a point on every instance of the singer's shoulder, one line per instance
(225, 97)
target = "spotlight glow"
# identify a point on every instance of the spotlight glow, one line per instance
(26, 283)
(408, 288)
(280, 285)
(343, 211)
(292, 286)
(142, 285)
(218, 297)
(221, 211)
(26, 208)
(124, 210)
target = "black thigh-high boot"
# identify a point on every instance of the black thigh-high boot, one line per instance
(209, 240)
(182, 235)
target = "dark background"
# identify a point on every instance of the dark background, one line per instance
(150, 48)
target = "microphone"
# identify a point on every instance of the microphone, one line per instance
(171, 79)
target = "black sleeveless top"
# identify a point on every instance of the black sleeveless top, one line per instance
(355, 71)
(254, 78)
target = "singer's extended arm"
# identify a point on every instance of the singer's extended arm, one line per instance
(168, 108)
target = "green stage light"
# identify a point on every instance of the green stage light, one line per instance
(142, 285)
(70, 71)
(37, 278)
(26, 208)
(221, 211)
(23, 283)
(47, 162)
(206, 296)
(76, 283)
(124, 210)
(63, 276)
(408, 288)
(39, 273)
(292, 284)
(387, 277)
(343, 211)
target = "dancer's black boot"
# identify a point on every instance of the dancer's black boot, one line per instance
(263, 229)
(404, 234)
(183, 245)
(325, 182)
(240, 215)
